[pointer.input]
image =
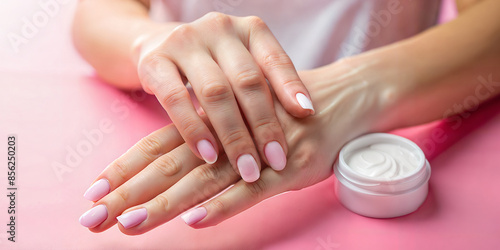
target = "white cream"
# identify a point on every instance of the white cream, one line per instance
(384, 161)
(381, 175)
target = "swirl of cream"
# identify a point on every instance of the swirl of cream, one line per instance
(383, 160)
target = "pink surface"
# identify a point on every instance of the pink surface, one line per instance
(50, 101)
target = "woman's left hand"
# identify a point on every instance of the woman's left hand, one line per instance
(160, 178)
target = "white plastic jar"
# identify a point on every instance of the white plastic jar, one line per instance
(382, 176)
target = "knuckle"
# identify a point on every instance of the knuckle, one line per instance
(217, 19)
(219, 206)
(256, 189)
(150, 147)
(190, 127)
(225, 175)
(267, 129)
(232, 137)
(181, 33)
(250, 80)
(255, 22)
(161, 202)
(215, 91)
(149, 64)
(277, 59)
(180, 39)
(303, 167)
(174, 97)
(304, 160)
(206, 174)
(152, 58)
(168, 165)
(304, 164)
(266, 123)
(122, 194)
(120, 169)
(288, 83)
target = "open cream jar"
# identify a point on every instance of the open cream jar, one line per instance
(381, 175)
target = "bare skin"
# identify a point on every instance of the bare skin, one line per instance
(411, 82)
(227, 61)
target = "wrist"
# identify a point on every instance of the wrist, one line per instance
(397, 83)
(353, 91)
(382, 82)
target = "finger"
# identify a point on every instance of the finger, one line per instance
(254, 97)
(277, 67)
(133, 161)
(197, 186)
(154, 179)
(217, 99)
(237, 199)
(163, 78)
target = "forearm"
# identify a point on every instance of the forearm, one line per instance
(460, 91)
(104, 33)
(445, 49)
(439, 72)
(453, 66)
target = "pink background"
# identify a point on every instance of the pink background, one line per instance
(50, 97)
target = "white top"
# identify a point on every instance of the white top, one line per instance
(318, 32)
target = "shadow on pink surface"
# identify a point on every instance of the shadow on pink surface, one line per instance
(435, 137)
(315, 210)
(266, 224)
(50, 109)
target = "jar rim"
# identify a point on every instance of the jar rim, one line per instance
(406, 183)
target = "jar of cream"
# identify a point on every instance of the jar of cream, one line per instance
(381, 175)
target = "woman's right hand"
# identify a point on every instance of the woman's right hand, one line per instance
(226, 60)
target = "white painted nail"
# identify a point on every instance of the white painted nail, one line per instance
(304, 102)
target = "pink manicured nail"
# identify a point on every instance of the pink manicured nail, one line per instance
(304, 102)
(98, 190)
(194, 215)
(275, 155)
(207, 151)
(94, 216)
(249, 170)
(133, 218)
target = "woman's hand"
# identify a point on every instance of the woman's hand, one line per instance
(227, 60)
(159, 178)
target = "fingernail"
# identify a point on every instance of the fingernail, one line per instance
(133, 218)
(304, 102)
(249, 170)
(275, 155)
(207, 151)
(94, 216)
(194, 215)
(98, 190)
